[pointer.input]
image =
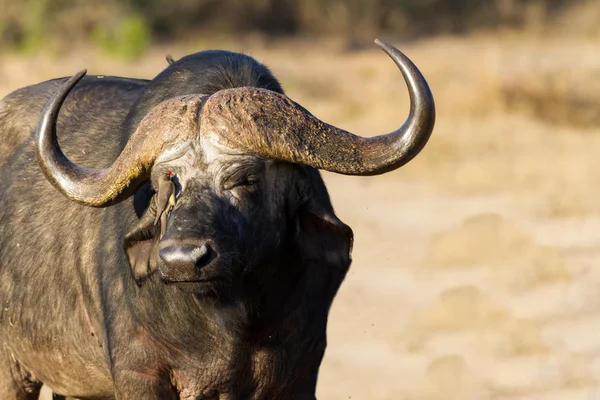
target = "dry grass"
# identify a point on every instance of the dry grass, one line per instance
(450, 378)
(484, 238)
(488, 240)
(491, 326)
(464, 308)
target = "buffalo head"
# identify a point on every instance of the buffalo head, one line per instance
(234, 178)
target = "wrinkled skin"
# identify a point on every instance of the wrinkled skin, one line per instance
(88, 305)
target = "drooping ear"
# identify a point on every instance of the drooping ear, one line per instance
(322, 237)
(141, 243)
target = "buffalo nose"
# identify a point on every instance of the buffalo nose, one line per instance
(185, 256)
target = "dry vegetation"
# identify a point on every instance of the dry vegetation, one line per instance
(474, 266)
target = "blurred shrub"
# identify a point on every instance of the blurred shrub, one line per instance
(29, 25)
(560, 96)
(130, 40)
(124, 27)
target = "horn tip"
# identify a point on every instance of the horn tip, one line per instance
(76, 78)
(385, 46)
(381, 43)
(390, 50)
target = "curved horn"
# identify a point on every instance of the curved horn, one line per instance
(171, 122)
(270, 125)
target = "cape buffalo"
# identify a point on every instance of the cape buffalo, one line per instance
(173, 238)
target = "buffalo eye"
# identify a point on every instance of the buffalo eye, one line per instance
(247, 182)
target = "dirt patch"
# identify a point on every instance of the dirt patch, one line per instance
(463, 308)
(450, 378)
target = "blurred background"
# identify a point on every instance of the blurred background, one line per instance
(475, 266)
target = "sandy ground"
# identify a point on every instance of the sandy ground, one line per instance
(474, 273)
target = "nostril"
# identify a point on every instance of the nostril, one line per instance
(199, 253)
(203, 255)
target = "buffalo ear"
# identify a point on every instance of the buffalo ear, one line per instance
(141, 245)
(323, 238)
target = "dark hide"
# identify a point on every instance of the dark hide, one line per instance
(85, 306)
